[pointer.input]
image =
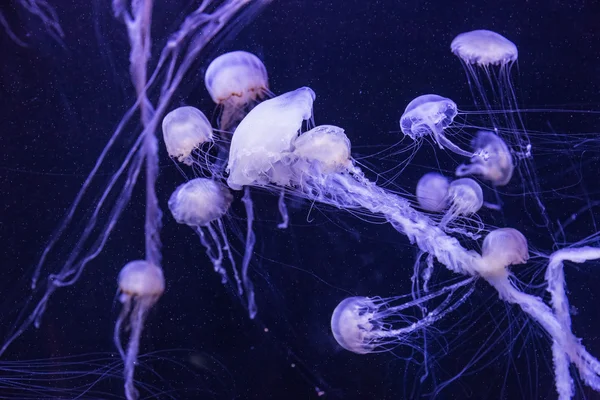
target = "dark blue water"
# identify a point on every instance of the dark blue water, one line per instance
(366, 60)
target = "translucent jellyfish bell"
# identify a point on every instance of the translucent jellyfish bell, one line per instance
(432, 192)
(483, 47)
(350, 323)
(466, 196)
(184, 130)
(258, 148)
(501, 248)
(429, 115)
(236, 80)
(141, 284)
(200, 202)
(492, 160)
(326, 146)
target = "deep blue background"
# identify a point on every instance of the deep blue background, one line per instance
(365, 60)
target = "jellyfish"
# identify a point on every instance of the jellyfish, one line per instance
(488, 58)
(141, 284)
(492, 160)
(365, 325)
(237, 81)
(432, 192)
(201, 204)
(465, 198)
(185, 129)
(430, 115)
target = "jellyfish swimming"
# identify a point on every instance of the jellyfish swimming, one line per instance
(488, 58)
(141, 284)
(465, 198)
(492, 160)
(201, 204)
(237, 81)
(432, 192)
(431, 115)
(185, 129)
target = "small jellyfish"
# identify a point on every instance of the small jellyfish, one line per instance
(325, 149)
(141, 284)
(365, 325)
(429, 115)
(432, 192)
(236, 81)
(501, 248)
(185, 129)
(465, 197)
(492, 160)
(201, 204)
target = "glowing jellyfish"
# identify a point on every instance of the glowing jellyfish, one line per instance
(430, 115)
(432, 192)
(201, 204)
(141, 284)
(237, 81)
(488, 57)
(466, 198)
(492, 160)
(365, 325)
(185, 129)
(264, 138)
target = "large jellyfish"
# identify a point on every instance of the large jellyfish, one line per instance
(262, 154)
(201, 204)
(237, 81)
(141, 284)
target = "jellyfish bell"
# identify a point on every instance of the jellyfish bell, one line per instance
(236, 80)
(199, 202)
(350, 323)
(327, 146)
(184, 130)
(502, 248)
(142, 280)
(484, 47)
(429, 115)
(492, 160)
(466, 196)
(258, 148)
(432, 192)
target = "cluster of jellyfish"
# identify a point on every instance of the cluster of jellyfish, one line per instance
(259, 143)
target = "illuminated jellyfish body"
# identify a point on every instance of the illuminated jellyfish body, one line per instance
(185, 129)
(432, 192)
(141, 284)
(189, 138)
(430, 115)
(365, 325)
(492, 160)
(201, 204)
(465, 198)
(488, 57)
(263, 155)
(237, 81)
